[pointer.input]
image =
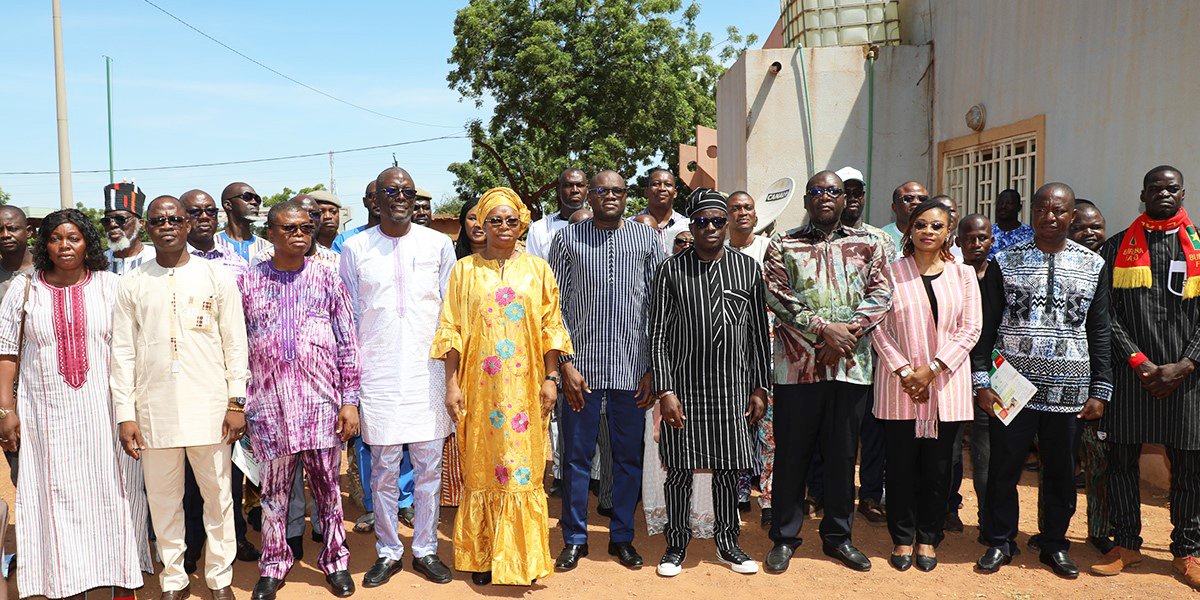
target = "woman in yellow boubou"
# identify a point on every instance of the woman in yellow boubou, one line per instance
(500, 334)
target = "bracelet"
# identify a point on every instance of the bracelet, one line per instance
(935, 366)
(1136, 359)
(236, 409)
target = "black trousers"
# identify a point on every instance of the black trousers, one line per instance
(826, 415)
(1057, 445)
(678, 490)
(1125, 501)
(918, 481)
(872, 461)
(980, 455)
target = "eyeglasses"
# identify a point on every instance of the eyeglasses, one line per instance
(119, 220)
(683, 242)
(934, 225)
(913, 198)
(856, 193)
(716, 222)
(391, 192)
(315, 214)
(160, 221)
(245, 196)
(832, 192)
(292, 228)
(196, 212)
(604, 191)
(498, 221)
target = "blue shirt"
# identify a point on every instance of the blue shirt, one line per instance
(345, 235)
(245, 249)
(1004, 239)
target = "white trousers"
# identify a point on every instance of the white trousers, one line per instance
(426, 460)
(164, 491)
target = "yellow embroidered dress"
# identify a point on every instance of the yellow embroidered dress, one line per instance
(502, 321)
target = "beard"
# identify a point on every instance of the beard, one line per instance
(122, 243)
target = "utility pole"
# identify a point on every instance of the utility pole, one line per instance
(332, 182)
(108, 89)
(65, 195)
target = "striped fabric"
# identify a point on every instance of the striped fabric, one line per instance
(452, 475)
(605, 277)
(909, 336)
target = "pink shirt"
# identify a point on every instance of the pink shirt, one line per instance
(909, 336)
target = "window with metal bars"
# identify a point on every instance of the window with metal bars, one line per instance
(976, 175)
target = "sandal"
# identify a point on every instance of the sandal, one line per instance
(365, 523)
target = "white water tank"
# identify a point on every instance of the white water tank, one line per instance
(818, 23)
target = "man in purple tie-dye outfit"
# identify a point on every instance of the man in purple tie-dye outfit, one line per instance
(303, 394)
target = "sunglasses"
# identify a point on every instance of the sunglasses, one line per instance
(315, 214)
(196, 212)
(245, 196)
(935, 226)
(913, 198)
(682, 242)
(716, 222)
(832, 192)
(408, 193)
(604, 191)
(119, 220)
(292, 228)
(160, 221)
(498, 221)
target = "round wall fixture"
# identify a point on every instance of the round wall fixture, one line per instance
(977, 118)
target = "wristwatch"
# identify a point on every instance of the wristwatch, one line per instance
(553, 377)
(906, 371)
(663, 393)
(239, 400)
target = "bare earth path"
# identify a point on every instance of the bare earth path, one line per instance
(812, 575)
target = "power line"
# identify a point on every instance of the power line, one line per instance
(293, 80)
(244, 162)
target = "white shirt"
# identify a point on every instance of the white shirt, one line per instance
(757, 248)
(541, 233)
(121, 266)
(397, 286)
(667, 231)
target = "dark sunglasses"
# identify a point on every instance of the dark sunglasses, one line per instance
(246, 196)
(934, 225)
(196, 212)
(832, 192)
(913, 197)
(682, 242)
(160, 221)
(292, 228)
(119, 220)
(604, 191)
(315, 214)
(716, 222)
(498, 221)
(408, 193)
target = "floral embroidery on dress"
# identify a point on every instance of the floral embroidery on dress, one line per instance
(520, 423)
(505, 296)
(497, 419)
(522, 475)
(491, 365)
(506, 348)
(502, 474)
(515, 312)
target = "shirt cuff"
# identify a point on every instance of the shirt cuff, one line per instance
(1100, 390)
(237, 388)
(350, 398)
(981, 380)
(816, 325)
(124, 413)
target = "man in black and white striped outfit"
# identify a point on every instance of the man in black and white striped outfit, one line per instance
(709, 349)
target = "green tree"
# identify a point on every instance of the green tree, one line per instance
(5, 197)
(616, 84)
(288, 194)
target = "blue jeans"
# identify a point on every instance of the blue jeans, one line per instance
(362, 453)
(626, 423)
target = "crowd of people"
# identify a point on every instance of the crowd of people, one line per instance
(679, 361)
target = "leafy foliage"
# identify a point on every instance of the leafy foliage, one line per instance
(288, 194)
(598, 85)
(5, 197)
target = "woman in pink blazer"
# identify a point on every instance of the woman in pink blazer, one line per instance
(923, 381)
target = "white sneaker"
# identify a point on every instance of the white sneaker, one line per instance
(672, 562)
(738, 561)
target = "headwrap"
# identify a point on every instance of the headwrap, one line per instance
(704, 199)
(1131, 269)
(502, 196)
(124, 196)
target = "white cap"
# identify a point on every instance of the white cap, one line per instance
(848, 173)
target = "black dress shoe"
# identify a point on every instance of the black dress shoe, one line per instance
(1061, 564)
(297, 546)
(993, 558)
(340, 583)
(953, 524)
(406, 516)
(625, 552)
(318, 537)
(190, 565)
(246, 552)
(778, 558)
(605, 511)
(766, 517)
(265, 588)
(900, 563)
(433, 569)
(381, 572)
(849, 555)
(481, 578)
(925, 563)
(1034, 543)
(569, 557)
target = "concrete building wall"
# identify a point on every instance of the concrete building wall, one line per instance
(761, 120)
(1112, 78)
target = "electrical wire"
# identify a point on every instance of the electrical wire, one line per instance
(294, 80)
(244, 162)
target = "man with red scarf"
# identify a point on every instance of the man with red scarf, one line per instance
(1156, 330)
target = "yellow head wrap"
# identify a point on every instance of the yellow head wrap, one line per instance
(502, 196)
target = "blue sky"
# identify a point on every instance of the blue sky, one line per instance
(178, 98)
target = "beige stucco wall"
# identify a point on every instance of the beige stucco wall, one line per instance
(1115, 79)
(761, 120)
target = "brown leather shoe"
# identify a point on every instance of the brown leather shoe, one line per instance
(225, 593)
(176, 594)
(1188, 567)
(1118, 559)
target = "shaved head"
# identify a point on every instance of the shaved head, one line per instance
(162, 202)
(389, 174)
(191, 196)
